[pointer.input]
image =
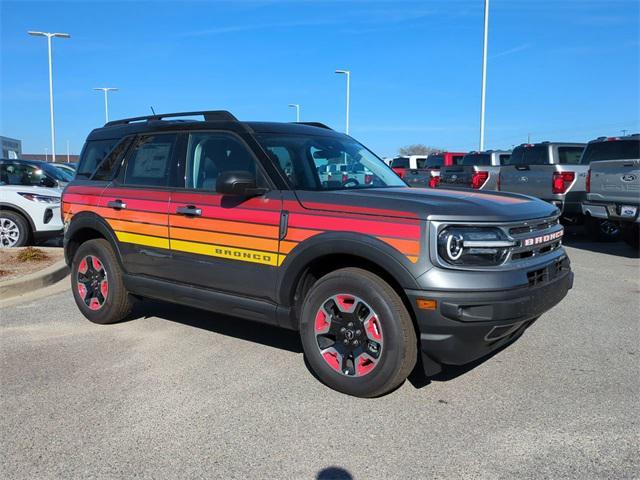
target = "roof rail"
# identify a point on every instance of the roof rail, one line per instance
(314, 124)
(209, 116)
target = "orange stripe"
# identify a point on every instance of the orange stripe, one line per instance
(408, 247)
(225, 226)
(299, 235)
(239, 241)
(286, 247)
(132, 227)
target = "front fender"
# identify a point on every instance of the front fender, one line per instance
(355, 245)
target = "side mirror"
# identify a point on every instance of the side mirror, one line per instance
(239, 182)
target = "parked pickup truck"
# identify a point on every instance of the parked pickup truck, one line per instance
(234, 217)
(428, 172)
(613, 185)
(477, 170)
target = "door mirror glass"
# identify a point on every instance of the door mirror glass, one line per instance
(238, 182)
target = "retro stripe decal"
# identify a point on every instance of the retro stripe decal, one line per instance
(247, 233)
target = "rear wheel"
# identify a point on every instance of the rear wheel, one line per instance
(357, 334)
(14, 230)
(96, 282)
(602, 230)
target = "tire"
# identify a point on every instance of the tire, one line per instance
(386, 351)
(14, 229)
(601, 230)
(631, 235)
(96, 283)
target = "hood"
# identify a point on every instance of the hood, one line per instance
(430, 204)
(51, 192)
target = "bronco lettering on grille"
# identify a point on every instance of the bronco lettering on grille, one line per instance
(539, 240)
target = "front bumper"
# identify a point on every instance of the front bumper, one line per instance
(469, 325)
(609, 211)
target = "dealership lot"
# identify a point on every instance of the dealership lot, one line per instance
(180, 392)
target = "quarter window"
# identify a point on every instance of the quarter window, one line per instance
(150, 160)
(569, 155)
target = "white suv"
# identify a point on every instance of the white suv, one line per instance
(29, 204)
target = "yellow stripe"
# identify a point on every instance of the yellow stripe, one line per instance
(143, 240)
(230, 253)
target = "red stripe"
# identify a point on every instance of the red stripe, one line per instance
(84, 190)
(237, 214)
(80, 198)
(135, 204)
(370, 227)
(351, 209)
(217, 200)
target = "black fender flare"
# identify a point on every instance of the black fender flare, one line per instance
(91, 221)
(357, 245)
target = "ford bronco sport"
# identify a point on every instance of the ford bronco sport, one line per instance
(233, 217)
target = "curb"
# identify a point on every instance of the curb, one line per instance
(34, 281)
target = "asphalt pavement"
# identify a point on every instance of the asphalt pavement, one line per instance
(181, 393)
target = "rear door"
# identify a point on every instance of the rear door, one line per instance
(136, 203)
(223, 242)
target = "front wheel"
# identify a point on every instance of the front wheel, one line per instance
(357, 334)
(97, 285)
(14, 230)
(602, 230)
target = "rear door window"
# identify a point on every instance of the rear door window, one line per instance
(150, 160)
(108, 168)
(504, 159)
(536, 155)
(93, 153)
(569, 155)
(611, 150)
(401, 162)
(476, 159)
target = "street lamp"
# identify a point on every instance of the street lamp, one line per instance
(106, 91)
(348, 74)
(484, 72)
(297, 107)
(53, 128)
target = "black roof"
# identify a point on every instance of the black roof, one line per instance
(215, 119)
(633, 136)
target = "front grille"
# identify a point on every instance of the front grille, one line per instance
(548, 273)
(533, 227)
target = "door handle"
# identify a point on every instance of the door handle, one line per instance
(189, 210)
(117, 204)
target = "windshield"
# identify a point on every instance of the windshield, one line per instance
(612, 150)
(476, 159)
(57, 172)
(327, 162)
(24, 174)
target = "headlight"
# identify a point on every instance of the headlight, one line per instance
(473, 246)
(39, 198)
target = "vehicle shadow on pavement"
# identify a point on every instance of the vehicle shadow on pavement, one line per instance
(334, 473)
(263, 334)
(576, 238)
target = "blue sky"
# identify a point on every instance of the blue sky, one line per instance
(560, 70)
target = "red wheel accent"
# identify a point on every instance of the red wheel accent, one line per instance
(104, 288)
(332, 359)
(82, 290)
(373, 328)
(83, 266)
(94, 304)
(365, 365)
(346, 303)
(96, 263)
(321, 321)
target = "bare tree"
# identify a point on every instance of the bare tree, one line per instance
(418, 149)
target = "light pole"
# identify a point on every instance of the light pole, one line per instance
(484, 72)
(53, 127)
(297, 107)
(106, 91)
(348, 74)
